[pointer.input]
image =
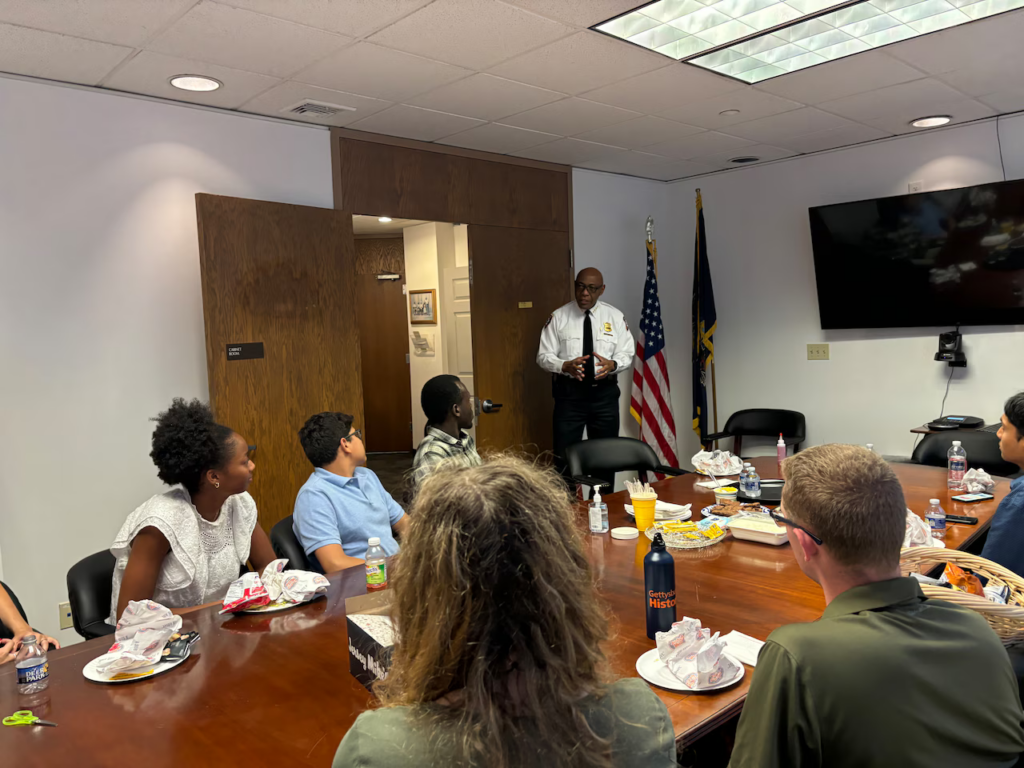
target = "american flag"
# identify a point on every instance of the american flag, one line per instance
(651, 401)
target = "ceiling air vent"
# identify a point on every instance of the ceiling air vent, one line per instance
(310, 108)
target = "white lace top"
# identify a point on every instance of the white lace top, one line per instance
(205, 557)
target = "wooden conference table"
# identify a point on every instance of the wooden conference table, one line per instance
(275, 689)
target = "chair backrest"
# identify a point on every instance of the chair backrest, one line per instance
(768, 422)
(607, 455)
(982, 451)
(282, 539)
(90, 585)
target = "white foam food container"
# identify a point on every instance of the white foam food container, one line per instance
(763, 530)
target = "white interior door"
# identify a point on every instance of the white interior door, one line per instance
(458, 341)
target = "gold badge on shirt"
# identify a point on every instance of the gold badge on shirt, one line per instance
(607, 327)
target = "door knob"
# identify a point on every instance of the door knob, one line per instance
(488, 407)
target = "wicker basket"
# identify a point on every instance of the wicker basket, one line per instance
(1007, 620)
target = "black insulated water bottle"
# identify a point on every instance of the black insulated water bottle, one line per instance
(659, 587)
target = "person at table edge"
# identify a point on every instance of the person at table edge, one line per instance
(342, 504)
(14, 628)
(1005, 542)
(448, 407)
(585, 344)
(886, 677)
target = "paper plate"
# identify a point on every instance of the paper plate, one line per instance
(656, 672)
(143, 673)
(665, 511)
(279, 605)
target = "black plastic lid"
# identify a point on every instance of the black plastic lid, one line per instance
(657, 542)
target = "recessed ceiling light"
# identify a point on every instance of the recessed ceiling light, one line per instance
(195, 83)
(729, 112)
(754, 40)
(931, 122)
(384, 219)
(744, 160)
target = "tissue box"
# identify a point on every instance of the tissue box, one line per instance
(371, 637)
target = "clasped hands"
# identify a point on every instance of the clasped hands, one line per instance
(576, 368)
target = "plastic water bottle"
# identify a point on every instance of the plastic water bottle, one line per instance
(31, 665)
(742, 482)
(659, 587)
(376, 566)
(753, 484)
(598, 513)
(936, 518)
(957, 458)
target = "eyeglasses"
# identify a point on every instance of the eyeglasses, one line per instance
(786, 521)
(354, 433)
(591, 289)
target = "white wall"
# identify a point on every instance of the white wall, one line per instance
(421, 273)
(101, 318)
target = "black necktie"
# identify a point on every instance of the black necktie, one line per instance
(588, 348)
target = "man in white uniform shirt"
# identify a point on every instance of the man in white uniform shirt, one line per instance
(585, 345)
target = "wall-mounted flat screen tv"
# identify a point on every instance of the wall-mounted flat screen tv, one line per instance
(927, 259)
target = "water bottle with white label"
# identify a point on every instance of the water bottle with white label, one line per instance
(936, 518)
(957, 462)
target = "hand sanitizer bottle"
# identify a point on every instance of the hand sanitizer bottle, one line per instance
(598, 513)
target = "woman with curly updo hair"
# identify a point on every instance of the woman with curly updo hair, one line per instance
(498, 660)
(184, 547)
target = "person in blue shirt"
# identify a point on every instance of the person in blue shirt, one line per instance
(342, 504)
(1005, 543)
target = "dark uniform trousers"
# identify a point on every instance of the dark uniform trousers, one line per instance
(578, 405)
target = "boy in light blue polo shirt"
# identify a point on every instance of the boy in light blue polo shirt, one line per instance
(342, 504)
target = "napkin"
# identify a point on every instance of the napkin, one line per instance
(918, 534)
(140, 637)
(717, 463)
(979, 481)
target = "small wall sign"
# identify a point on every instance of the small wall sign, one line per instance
(250, 351)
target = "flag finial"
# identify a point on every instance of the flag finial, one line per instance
(650, 229)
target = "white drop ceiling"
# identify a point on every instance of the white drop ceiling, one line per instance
(520, 77)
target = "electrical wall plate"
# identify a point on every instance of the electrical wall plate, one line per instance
(817, 351)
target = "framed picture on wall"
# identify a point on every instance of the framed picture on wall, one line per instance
(423, 307)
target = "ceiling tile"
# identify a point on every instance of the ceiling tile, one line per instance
(486, 97)
(582, 13)
(31, 52)
(699, 145)
(963, 46)
(287, 95)
(962, 111)
(380, 73)
(843, 77)
(568, 151)
(641, 132)
(360, 17)
(658, 91)
(240, 39)
(855, 133)
(631, 163)
(917, 95)
(125, 22)
(764, 151)
(750, 103)
(470, 33)
(988, 77)
(772, 130)
(414, 123)
(581, 62)
(1011, 100)
(570, 116)
(678, 170)
(494, 137)
(150, 73)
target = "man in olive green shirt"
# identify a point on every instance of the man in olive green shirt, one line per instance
(886, 677)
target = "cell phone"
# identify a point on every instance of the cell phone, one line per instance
(968, 498)
(961, 519)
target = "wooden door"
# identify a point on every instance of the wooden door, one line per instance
(518, 278)
(281, 275)
(458, 340)
(384, 345)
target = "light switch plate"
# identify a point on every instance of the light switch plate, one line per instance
(817, 351)
(915, 186)
(64, 609)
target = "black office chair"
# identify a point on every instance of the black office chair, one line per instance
(5, 631)
(282, 539)
(90, 585)
(595, 462)
(982, 451)
(762, 422)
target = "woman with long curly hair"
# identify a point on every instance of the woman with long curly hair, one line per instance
(499, 660)
(184, 547)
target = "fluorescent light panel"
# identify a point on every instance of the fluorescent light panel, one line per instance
(686, 29)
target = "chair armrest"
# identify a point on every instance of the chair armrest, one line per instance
(589, 480)
(672, 471)
(715, 436)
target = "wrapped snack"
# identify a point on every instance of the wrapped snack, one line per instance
(300, 586)
(979, 481)
(961, 580)
(142, 632)
(680, 635)
(246, 592)
(717, 463)
(273, 578)
(997, 592)
(712, 665)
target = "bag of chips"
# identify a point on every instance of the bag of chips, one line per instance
(246, 592)
(962, 581)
